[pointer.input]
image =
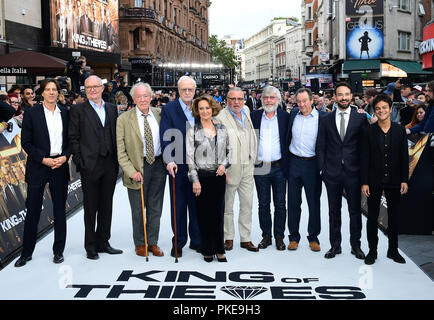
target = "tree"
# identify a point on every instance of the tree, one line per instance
(220, 53)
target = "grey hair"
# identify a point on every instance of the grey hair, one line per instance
(270, 90)
(95, 76)
(141, 84)
(186, 78)
(235, 89)
(307, 90)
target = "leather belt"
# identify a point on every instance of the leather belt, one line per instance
(54, 156)
(273, 163)
(304, 158)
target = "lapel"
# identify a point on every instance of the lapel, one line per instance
(132, 120)
(233, 123)
(43, 122)
(64, 115)
(351, 124)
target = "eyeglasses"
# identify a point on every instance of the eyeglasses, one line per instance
(236, 99)
(92, 87)
(15, 102)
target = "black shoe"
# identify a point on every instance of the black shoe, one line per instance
(22, 261)
(333, 252)
(358, 252)
(172, 252)
(58, 258)
(222, 259)
(208, 259)
(280, 245)
(110, 250)
(370, 258)
(395, 256)
(265, 242)
(92, 255)
(195, 247)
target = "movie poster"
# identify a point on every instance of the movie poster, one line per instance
(359, 7)
(85, 24)
(365, 38)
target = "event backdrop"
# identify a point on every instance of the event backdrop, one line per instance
(85, 24)
(13, 194)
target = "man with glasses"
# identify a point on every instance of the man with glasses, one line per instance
(243, 143)
(92, 138)
(176, 118)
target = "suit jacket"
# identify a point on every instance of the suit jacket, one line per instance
(84, 136)
(332, 150)
(249, 103)
(292, 115)
(372, 156)
(174, 120)
(130, 145)
(226, 118)
(85, 25)
(282, 120)
(35, 141)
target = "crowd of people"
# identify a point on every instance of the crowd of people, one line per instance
(214, 144)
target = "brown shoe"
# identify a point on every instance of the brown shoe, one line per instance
(229, 244)
(141, 251)
(293, 245)
(314, 246)
(156, 251)
(249, 246)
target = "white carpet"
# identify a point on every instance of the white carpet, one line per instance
(265, 275)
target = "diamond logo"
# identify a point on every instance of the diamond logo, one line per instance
(243, 292)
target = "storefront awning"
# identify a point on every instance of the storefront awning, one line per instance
(364, 66)
(410, 67)
(24, 63)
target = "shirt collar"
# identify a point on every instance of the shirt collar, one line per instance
(347, 111)
(272, 118)
(234, 114)
(183, 105)
(56, 109)
(313, 114)
(139, 113)
(93, 104)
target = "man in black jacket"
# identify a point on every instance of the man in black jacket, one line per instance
(384, 168)
(92, 139)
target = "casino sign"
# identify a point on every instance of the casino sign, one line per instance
(426, 48)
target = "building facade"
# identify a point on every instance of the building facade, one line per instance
(156, 32)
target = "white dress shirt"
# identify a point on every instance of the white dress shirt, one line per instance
(155, 128)
(269, 139)
(304, 134)
(55, 130)
(346, 113)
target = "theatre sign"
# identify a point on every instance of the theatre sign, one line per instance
(426, 48)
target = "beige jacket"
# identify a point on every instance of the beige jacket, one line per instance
(239, 152)
(130, 145)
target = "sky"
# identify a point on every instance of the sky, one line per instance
(243, 18)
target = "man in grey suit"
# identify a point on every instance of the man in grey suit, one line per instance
(139, 155)
(243, 142)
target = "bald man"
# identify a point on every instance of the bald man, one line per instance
(92, 138)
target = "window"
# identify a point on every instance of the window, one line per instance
(309, 13)
(139, 3)
(404, 40)
(309, 39)
(136, 39)
(404, 5)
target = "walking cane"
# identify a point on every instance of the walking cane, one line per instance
(174, 219)
(144, 221)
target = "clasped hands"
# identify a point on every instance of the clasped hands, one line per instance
(54, 163)
(196, 185)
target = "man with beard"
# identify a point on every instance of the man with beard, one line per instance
(272, 123)
(339, 141)
(303, 128)
(427, 123)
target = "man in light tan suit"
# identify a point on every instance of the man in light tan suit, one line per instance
(139, 155)
(243, 142)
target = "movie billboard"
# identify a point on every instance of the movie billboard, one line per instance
(358, 7)
(365, 38)
(85, 25)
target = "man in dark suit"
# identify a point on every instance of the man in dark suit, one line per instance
(44, 139)
(92, 138)
(253, 103)
(339, 141)
(176, 118)
(303, 170)
(272, 125)
(85, 22)
(384, 168)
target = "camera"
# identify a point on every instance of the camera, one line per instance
(76, 64)
(62, 82)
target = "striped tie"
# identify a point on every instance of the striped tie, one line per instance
(150, 156)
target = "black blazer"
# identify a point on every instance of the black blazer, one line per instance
(35, 141)
(249, 103)
(292, 115)
(372, 161)
(84, 136)
(282, 120)
(332, 150)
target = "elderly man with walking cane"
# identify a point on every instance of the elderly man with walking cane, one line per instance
(139, 155)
